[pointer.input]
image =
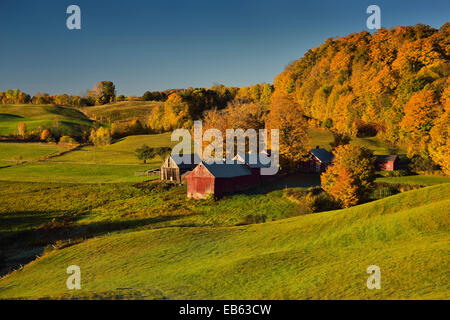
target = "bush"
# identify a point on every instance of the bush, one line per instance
(251, 219)
(67, 140)
(322, 201)
(422, 164)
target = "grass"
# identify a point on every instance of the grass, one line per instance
(322, 138)
(122, 111)
(317, 256)
(120, 152)
(48, 212)
(72, 173)
(419, 179)
(28, 151)
(70, 121)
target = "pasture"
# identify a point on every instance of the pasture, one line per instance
(317, 256)
(418, 179)
(67, 120)
(121, 111)
(72, 173)
(120, 152)
(28, 150)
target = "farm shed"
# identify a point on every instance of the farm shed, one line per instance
(219, 179)
(386, 162)
(318, 161)
(173, 169)
(255, 166)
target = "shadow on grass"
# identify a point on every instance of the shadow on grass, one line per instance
(298, 180)
(21, 247)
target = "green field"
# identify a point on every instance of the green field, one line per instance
(69, 120)
(28, 151)
(419, 179)
(72, 173)
(120, 152)
(316, 256)
(121, 111)
(322, 138)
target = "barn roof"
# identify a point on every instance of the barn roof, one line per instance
(322, 155)
(194, 159)
(246, 159)
(386, 158)
(225, 170)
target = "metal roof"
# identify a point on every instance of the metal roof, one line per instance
(194, 159)
(246, 159)
(322, 155)
(225, 170)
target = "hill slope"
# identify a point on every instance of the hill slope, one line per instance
(70, 121)
(316, 256)
(122, 111)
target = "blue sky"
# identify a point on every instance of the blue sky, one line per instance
(154, 45)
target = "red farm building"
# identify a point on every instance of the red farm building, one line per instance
(218, 179)
(386, 162)
(255, 165)
(318, 161)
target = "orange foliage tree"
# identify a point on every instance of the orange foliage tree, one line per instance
(350, 178)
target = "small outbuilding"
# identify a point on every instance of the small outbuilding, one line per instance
(386, 162)
(218, 179)
(173, 168)
(318, 161)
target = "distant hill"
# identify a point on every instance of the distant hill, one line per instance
(394, 82)
(67, 120)
(122, 111)
(316, 256)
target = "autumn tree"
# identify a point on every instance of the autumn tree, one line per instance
(45, 134)
(22, 129)
(100, 137)
(104, 92)
(287, 116)
(350, 178)
(420, 112)
(439, 147)
(341, 185)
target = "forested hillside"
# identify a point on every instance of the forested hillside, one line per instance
(394, 83)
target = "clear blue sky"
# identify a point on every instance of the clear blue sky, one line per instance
(154, 45)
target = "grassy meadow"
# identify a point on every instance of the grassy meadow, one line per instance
(419, 179)
(68, 120)
(126, 231)
(121, 111)
(120, 152)
(315, 256)
(72, 173)
(28, 151)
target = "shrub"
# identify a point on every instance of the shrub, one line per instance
(67, 140)
(252, 218)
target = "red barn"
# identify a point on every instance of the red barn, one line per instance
(386, 162)
(219, 179)
(255, 165)
(318, 161)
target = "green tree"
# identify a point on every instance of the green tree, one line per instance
(104, 91)
(145, 153)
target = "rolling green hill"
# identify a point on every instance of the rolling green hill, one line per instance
(69, 120)
(121, 111)
(28, 150)
(316, 256)
(120, 152)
